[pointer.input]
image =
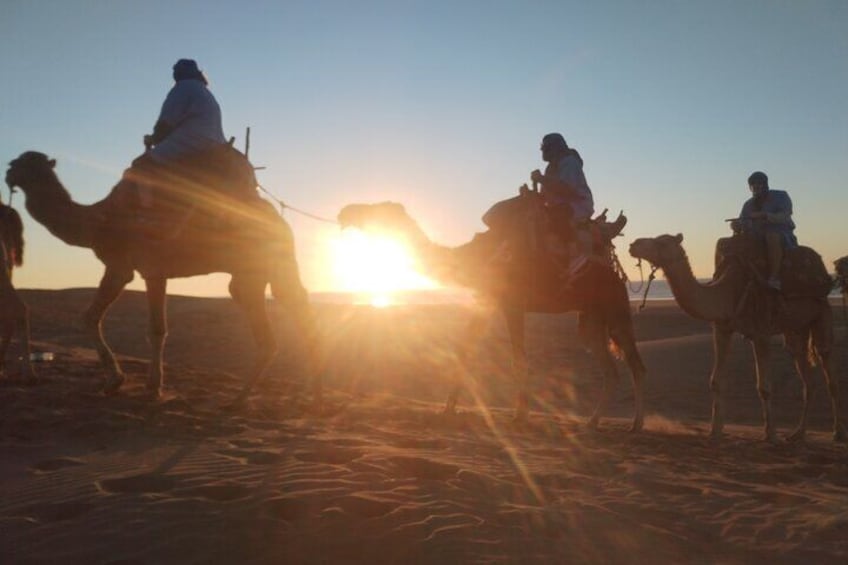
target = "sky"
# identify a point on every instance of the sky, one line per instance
(441, 105)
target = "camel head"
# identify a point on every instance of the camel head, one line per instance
(841, 266)
(29, 169)
(660, 251)
(383, 217)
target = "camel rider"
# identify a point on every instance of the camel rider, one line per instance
(567, 197)
(189, 122)
(768, 215)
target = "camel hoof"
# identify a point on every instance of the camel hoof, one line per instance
(113, 384)
(796, 437)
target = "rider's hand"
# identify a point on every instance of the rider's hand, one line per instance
(736, 226)
(148, 141)
(536, 176)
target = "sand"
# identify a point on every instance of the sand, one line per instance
(381, 476)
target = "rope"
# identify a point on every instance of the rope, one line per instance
(283, 205)
(651, 278)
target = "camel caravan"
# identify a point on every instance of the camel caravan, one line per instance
(519, 265)
(189, 206)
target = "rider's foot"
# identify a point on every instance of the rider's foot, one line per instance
(774, 283)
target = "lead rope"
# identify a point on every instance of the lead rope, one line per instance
(651, 278)
(284, 206)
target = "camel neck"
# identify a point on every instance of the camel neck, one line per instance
(51, 205)
(711, 302)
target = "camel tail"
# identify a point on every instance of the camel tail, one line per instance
(812, 351)
(13, 236)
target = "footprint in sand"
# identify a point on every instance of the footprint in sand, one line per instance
(59, 511)
(329, 454)
(49, 465)
(138, 484)
(218, 493)
(289, 509)
(363, 507)
(424, 468)
(253, 456)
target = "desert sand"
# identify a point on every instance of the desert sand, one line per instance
(381, 476)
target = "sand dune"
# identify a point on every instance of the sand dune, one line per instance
(382, 477)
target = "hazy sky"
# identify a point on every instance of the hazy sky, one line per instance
(441, 106)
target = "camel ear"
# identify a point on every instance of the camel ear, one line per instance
(52, 163)
(679, 238)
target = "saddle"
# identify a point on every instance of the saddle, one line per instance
(802, 271)
(523, 216)
(208, 188)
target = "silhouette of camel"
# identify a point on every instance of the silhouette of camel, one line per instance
(257, 251)
(512, 273)
(14, 314)
(806, 322)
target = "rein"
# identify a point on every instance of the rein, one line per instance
(651, 278)
(284, 206)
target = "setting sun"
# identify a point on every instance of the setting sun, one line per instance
(374, 267)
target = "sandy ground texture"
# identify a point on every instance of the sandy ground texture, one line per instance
(381, 476)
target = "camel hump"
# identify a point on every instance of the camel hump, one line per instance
(506, 214)
(227, 170)
(803, 273)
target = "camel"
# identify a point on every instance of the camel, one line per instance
(841, 267)
(734, 302)
(14, 313)
(512, 274)
(256, 251)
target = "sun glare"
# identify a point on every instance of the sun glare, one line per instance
(375, 268)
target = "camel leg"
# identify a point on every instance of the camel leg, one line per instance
(22, 326)
(8, 329)
(761, 357)
(718, 378)
(598, 341)
(288, 289)
(799, 347)
(17, 319)
(471, 336)
(113, 282)
(249, 293)
(637, 371)
(515, 325)
(157, 332)
(822, 339)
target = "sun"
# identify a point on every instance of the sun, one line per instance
(374, 267)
